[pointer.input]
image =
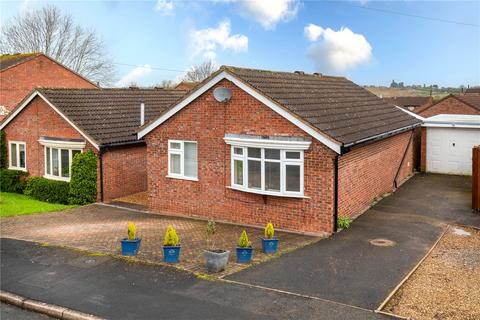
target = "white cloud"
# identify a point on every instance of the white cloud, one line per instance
(313, 32)
(165, 7)
(134, 75)
(337, 50)
(270, 12)
(206, 42)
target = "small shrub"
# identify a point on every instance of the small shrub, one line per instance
(211, 229)
(171, 239)
(3, 150)
(83, 182)
(344, 222)
(47, 190)
(243, 242)
(12, 180)
(269, 231)
(132, 231)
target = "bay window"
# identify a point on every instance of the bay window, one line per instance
(266, 166)
(58, 157)
(17, 155)
(182, 159)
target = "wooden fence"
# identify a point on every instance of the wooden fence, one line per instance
(476, 178)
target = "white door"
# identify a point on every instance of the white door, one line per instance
(449, 150)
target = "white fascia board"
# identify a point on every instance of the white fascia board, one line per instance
(332, 144)
(451, 125)
(26, 102)
(267, 143)
(413, 114)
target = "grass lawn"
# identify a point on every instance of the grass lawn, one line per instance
(14, 204)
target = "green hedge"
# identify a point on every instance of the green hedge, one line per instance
(3, 150)
(12, 180)
(47, 190)
(83, 181)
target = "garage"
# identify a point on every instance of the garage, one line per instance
(449, 143)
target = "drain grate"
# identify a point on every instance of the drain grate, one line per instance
(382, 243)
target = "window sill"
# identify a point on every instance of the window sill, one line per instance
(267, 193)
(17, 169)
(56, 178)
(182, 178)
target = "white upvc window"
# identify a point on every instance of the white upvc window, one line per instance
(58, 162)
(267, 171)
(58, 157)
(182, 160)
(17, 155)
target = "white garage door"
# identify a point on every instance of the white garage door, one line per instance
(449, 150)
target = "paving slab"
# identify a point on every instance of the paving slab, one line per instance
(348, 269)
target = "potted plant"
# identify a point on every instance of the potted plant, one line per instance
(171, 249)
(131, 244)
(244, 249)
(215, 259)
(270, 242)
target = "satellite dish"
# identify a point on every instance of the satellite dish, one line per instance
(222, 94)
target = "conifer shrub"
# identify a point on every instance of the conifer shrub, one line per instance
(171, 238)
(132, 231)
(3, 150)
(269, 231)
(83, 181)
(243, 242)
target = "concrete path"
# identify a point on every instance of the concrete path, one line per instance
(348, 269)
(114, 289)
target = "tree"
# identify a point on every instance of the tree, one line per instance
(166, 84)
(200, 72)
(55, 34)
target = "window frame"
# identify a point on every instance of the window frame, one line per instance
(181, 152)
(50, 175)
(17, 151)
(283, 163)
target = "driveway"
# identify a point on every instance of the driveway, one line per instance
(347, 268)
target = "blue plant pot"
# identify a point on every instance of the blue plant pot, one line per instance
(269, 245)
(171, 254)
(244, 255)
(130, 247)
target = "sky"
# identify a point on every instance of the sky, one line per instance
(370, 42)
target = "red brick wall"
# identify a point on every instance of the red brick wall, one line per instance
(36, 120)
(449, 105)
(207, 121)
(423, 160)
(18, 81)
(124, 171)
(368, 171)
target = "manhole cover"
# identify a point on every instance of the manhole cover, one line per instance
(382, 242)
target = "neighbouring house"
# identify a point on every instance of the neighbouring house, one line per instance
(21, 73)
(468, 103)
(451, 129)
(50, 126)
(411, 103)
(299, 150)
(186, 85)
(473, 90)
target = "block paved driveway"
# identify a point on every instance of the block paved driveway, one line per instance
(347, 268)
(99, 228)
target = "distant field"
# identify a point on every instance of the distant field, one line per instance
(397, 92)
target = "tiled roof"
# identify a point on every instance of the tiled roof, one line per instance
(473, 90)
(408, 101)
(343, 110)
(472, 99)
(9, 60)
(110, 116)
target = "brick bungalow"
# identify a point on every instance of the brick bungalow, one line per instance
(46, 130)
(411, 103)
(295, 149)
(453, 104)
(21, 73)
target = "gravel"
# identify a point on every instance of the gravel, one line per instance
(447, 283)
